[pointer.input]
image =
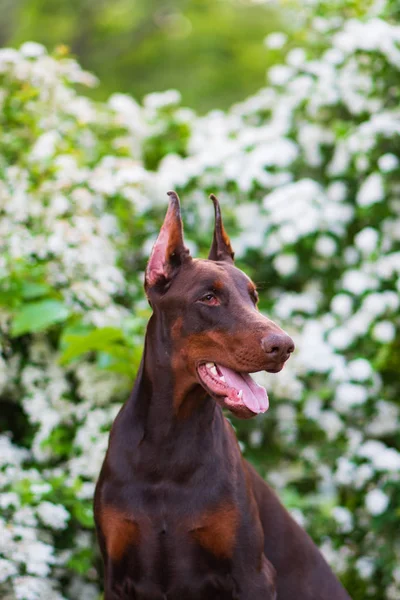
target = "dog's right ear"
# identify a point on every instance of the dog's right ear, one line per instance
(169, 252)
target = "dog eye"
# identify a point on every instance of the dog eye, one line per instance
(210, 299)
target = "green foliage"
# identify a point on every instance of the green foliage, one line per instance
(81, 561)
(38, 316)
(102, 339)
(209, 49)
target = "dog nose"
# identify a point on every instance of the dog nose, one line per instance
(278, 346)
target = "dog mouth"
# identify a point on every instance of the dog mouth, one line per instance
(236, 391)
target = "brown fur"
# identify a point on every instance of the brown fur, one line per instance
(120, 532)
(216, 530)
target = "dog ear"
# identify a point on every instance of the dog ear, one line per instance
(169, 251)
(221, 248)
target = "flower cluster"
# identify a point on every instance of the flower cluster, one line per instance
(69, 170)
(307, 172)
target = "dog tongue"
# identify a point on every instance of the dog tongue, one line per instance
(254, 396)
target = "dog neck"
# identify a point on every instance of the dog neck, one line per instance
(169, 407)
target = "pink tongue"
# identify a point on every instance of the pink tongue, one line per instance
(254, 396)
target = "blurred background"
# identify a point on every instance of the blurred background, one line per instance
(210, 50)
(289, 112)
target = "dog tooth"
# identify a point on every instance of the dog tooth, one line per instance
(209, 365)
(240, 394)
(222, 378)
(214, 370)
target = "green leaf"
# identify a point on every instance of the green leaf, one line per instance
(37, 316)
(60, 441)
(31, 290)
(82, 561)
(84, 514)
(103, 339)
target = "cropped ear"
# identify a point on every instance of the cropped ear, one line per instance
(221, 248)
(169, 251)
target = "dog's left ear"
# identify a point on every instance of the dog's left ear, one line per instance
(169, 252)
(221, 248)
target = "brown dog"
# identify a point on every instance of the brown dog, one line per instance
(180, 514)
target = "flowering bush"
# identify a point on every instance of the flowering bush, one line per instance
(70, 172)
(307, 172)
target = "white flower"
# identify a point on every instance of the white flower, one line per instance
(351, 255)
(9, 499)
(355, 438)
(53, 515)
(343, 517)
(340, 160)
(33, 588)
(374, 304)
(131, 115)
(296, 207)
(365, 567)
(341, 338)
(39, 489)
(362, 163)
(83, 591)
(358, 282)
(388, 162)
(45, 145)
(159, 100)
(331, 423)
(7, 569)
(360, 369)
(376, 502)
(367, 240)
(311, 138)
(286, 414)
(381, 456)
(275, 40)
(342, 305)
(286, 264)
(312, 408)
(296, 57)
(280, 74)
(384, 332)
(345, 471)
(387, 266)
(386, 421)
(337, 559)
(349, 395)
(87, 490)
(8, 56)
(25, 516)
(256, 438)
(337, 191)
(393, 591)
(32, 49)
(362, 475)
(334, 56)
(36, 555)
(321, 24)
(326, 246)
(10, 454)
(371, 191)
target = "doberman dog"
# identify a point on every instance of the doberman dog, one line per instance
(180, 515)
